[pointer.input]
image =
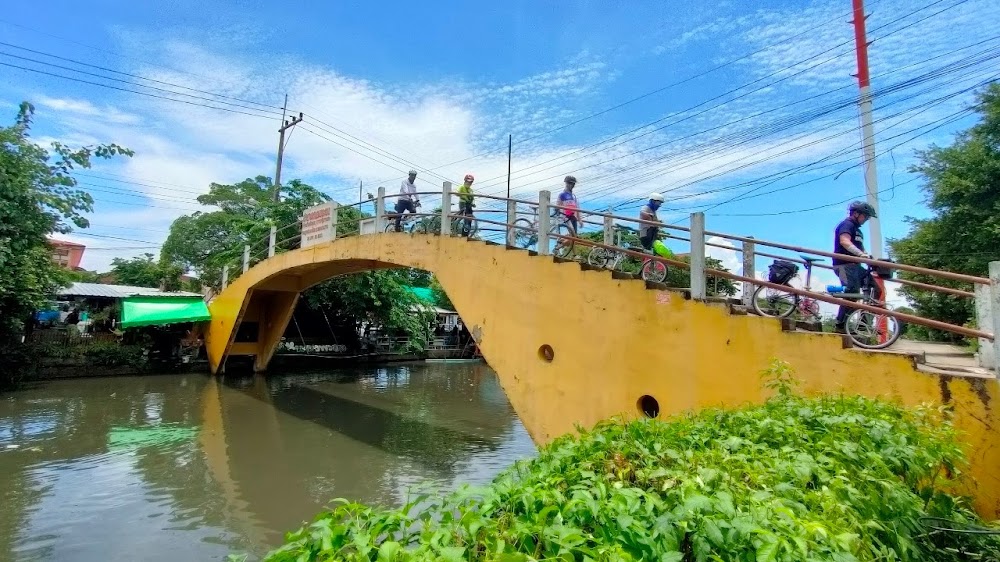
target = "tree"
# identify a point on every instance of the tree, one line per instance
(205, 242)
(144, 272)
(962, 190)
(378, 299)
(38, 196)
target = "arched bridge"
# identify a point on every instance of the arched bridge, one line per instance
(575, 345)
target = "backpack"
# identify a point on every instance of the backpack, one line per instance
(781, 272)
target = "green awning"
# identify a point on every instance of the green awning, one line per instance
(160, 311)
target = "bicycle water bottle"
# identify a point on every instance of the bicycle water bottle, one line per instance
(834, 289)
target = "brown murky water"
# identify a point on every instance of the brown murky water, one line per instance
(184, 467)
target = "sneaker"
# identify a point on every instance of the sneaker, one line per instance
(840, 329)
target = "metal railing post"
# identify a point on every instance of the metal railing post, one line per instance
(380, 210)
(698, 282)
(994, 313)
(333, 220)
(749, 270)
(272, 239)
(511, 217)
(543, 223)
(246, 257)
(225, 276)
(446, 208)
(609, 230)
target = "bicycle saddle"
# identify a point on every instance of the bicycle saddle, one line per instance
(809, 260)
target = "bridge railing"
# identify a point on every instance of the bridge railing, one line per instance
(513, 221)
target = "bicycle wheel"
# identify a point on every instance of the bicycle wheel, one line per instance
(599, 257)
(871, 330)
(390, 226)
(655, 271)
(524, 234)
(774, 303)
(560, 247)
(458, 223)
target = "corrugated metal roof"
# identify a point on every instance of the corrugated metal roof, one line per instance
(118, 291)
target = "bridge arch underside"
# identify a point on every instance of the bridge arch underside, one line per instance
(573, 346)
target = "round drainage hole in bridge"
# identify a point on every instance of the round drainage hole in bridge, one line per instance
(546, 353)
(648, 406)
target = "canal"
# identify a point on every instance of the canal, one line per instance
(187, 467)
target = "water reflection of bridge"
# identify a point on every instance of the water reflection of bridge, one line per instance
(276, 450)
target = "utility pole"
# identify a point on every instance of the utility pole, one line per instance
(867, 131)
(510, 145)
(285, 125)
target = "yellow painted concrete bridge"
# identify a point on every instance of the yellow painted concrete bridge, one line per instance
(574, 346)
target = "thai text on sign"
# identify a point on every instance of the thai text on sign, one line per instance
(317, 224)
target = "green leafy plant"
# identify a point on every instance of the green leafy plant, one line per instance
(836, 478)
(110, 354)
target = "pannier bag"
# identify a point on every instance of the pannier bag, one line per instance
(781, 271)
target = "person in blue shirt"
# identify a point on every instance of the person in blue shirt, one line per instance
(850, 240)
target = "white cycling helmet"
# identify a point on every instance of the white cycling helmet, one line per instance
(656, 197)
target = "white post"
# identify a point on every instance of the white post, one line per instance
(698, 282)
(984, 321)
(271, 241)
(511, 217)
(543, 222)
(749, 270)
(225, 276)
(333, 221)
(609, 230)
(246, 257)
(446, 208)
(380, 210)
(994, 308)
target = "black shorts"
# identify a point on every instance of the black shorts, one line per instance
(649, 237)
(572, 220)
(405, 205)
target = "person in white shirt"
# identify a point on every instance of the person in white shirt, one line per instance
(408, 200)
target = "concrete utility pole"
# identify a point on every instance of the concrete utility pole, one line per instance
(285, 125)
(867, 132)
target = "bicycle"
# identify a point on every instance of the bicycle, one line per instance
(867, 330)
(410, 223)
(651, 270)
(526, 234)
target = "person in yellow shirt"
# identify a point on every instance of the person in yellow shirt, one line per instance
(465, 198)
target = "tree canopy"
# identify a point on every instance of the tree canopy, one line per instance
(39, 197)
(962, 190)
(146, 272)
(206, 241)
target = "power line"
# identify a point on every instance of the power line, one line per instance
(784, 69)
(784, 123)
(111, 87)
(137, 76)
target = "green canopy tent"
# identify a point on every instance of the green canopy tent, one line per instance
(160, 311)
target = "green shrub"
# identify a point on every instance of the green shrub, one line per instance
(835, 478)
(111, 354)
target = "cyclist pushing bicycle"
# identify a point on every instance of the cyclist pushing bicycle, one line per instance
(850, 240)
(649, 234)
(465, 203)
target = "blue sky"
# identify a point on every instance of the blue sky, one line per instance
(428, 84)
